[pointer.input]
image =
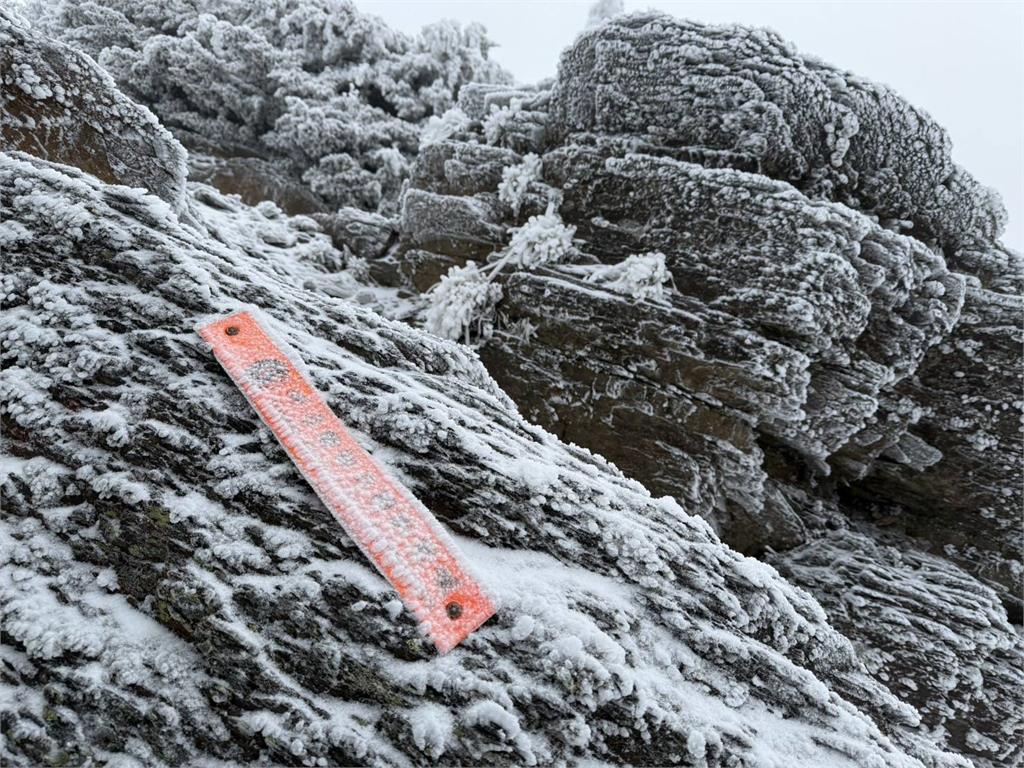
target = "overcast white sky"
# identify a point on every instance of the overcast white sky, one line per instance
(961, 61)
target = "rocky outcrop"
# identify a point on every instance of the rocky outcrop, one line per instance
(938, 638)
(56, 103)
(173, 591)
(745, 97)
(756, 284)
(841, 326)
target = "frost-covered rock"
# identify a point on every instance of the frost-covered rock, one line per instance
(58, 104)
(173, 591)
(754, 282)
(367, 235)
(745, 98)
(841, 330)
(938, 638)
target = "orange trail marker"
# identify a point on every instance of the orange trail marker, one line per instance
(399, 535)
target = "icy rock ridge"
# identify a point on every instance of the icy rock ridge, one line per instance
(820, 381)
(841, 331)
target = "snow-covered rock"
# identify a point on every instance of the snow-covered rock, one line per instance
(174, 591)
(756, 283)
(56, 103)
(842, 326)
(937, 637)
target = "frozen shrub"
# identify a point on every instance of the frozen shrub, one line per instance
(543, 239)
(447, 125)
(497, 119)
(317, 86)
(515, 181)
(603, 10)
(465, 297)
(641, 276)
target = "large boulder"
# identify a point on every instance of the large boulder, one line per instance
(56, 103)
(745, 95)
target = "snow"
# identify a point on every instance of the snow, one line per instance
(537, 476)
(641, 276)
(462, 301)
(523, 627)
(696, 745)
(439, 129)
(543, 239)
(516, 180)
(432, 727)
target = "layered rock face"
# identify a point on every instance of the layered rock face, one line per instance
(833, 372)
(174, 592)
(781, 312)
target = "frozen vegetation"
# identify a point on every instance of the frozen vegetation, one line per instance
(311, 103)
(732, 433)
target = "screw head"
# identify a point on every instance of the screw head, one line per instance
(231, 330)
(454, 610)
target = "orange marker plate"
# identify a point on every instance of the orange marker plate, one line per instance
(400, 536)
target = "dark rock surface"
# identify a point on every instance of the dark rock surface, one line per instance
(254, 180)
(56, 103)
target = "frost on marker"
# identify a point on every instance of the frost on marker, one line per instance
(400, 536)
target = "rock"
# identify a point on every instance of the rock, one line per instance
(174, 592)
(56, 103)
(465, 225)
(755, 283)
(255, 180)
(367, 235)
(836, 344)
(737, 91)
(617, 376)
(938, 638)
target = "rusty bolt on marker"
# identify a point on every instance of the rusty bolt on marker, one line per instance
(454, 610)
(231, 330)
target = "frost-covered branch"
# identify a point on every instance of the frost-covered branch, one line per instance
(466, 296)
